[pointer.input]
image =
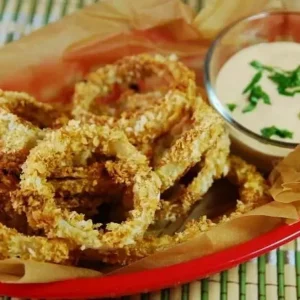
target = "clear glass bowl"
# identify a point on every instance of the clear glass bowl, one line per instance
(261, 28)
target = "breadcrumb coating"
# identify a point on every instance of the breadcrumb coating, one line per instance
(253, 192)
(73, 145)
(141, 126)
(16, 245)
(61, 178)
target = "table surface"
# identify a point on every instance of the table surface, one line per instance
(275, 275)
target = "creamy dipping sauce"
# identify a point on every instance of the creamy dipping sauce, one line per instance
(284, 111)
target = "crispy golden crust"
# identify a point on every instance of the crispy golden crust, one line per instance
(56, 175)
(253, 191)
(141, 126)
(73, 145)
(188, 149)
(214, 166)
(17, 245)
(16, 134)
(22, 120)
(24, 106)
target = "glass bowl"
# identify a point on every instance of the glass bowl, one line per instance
(264, 27)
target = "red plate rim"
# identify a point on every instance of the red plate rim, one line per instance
(155, 279)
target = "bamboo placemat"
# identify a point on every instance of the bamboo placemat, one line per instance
(275, 275)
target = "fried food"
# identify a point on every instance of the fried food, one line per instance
(23, 121)
(16, 245)
(213, 167)
(137, 147)
(201, 140)
(188, 149)
(253, 192)
(73, 145)
(141, 126)
(16, 134)
(41, 115)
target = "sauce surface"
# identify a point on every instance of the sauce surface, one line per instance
(237, 73)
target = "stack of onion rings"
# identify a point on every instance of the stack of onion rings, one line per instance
(74, 145)
(142, 126)
(148, 156)
(253, 192)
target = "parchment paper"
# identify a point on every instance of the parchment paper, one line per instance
(48, 62)
(17, 271)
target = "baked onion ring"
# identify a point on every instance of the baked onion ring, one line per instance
(16, 245)
(253, 192)
(41, 115)
(73, 145)
(188, 149)
(16, 134)
(213, 167)
(140, 126)
(22, 120)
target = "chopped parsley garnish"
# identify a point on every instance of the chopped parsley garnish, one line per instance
(288, 82)
(256, 94)
(299, 115)
(268, 132)
(259, 66)
(231, 106)
(256, 78)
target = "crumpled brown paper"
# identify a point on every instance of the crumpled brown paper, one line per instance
(285, 179)
(18, 271)
(48, 62)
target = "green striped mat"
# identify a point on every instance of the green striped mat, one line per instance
(275, 275)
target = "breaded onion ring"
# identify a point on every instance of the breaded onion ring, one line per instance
(213, 167)
(16, 245)
(188, 149)
(16, 134)
(22, 120)
(73, 145)
(253, 191)
(140, 126)
(41, 115)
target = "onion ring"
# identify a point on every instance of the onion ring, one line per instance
(73, 145)
(253, 191)
(188, 149)
(41, 115)
(214, 166)
(140, 127)
(22, 120)
(16, 245)
(17, 134)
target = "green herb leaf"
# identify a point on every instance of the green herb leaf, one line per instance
(299, 115)
(231, 106)
(268, 132)
(286, 91)
(288, 82)
(263, 95)
(259, 66)
(256, 94)
(250, 107)
(256, 78)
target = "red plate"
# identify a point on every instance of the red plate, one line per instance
(155, 279)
